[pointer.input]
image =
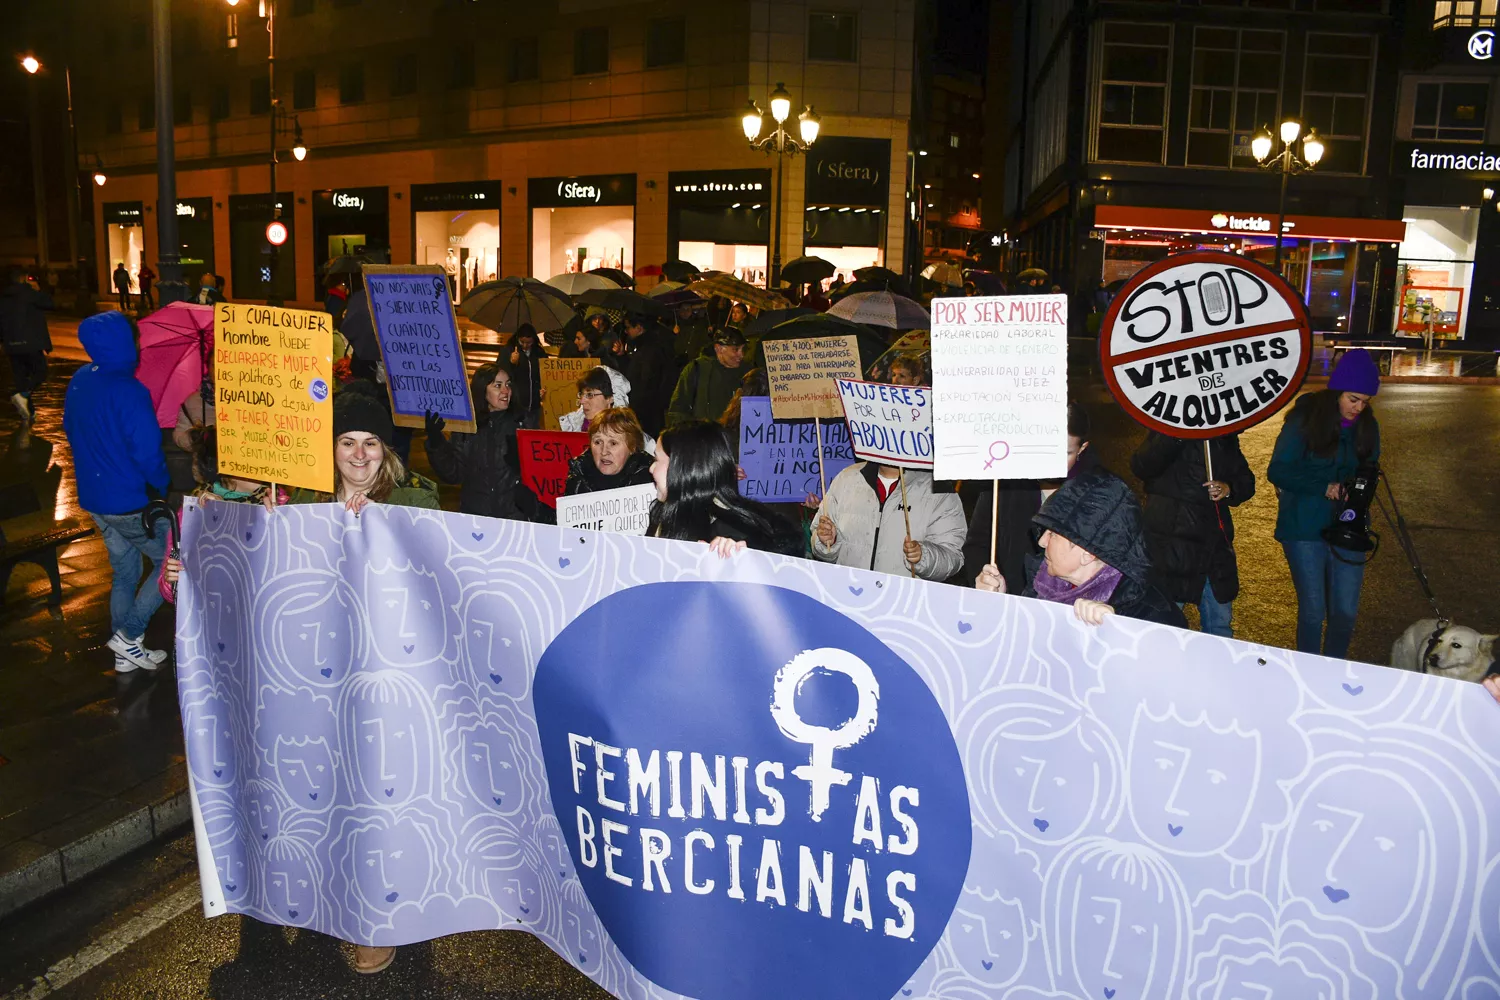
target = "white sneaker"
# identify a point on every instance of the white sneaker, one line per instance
(133, 652)
(22, 406)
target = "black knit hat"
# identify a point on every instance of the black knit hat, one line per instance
(356, 410)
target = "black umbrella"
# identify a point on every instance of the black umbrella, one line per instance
(877, 279)
(679, 270)
(763, 324)
(348, 263)
(505, 304)
(806, 270)
(616, 275)
(871, 344)
(624, 300)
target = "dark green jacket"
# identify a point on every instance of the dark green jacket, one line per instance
(415, 490)
(1301, 479)
(703, 391)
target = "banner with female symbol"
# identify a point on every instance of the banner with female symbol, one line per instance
(761, 776)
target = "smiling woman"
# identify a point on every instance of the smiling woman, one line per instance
(365, 467)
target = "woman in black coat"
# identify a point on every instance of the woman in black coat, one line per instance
(1189, 531)
(615, 458)
(486, 463)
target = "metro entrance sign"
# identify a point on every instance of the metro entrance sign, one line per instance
(1204, 344)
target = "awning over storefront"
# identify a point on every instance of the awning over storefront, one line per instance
(1189, 220)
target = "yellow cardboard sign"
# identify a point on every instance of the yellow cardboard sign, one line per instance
(559, 382)
(273, 393)
(804, 375)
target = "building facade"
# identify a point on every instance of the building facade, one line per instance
(1130, 138)
(500, 139)
(949, 175)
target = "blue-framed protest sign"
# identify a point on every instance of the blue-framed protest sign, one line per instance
(418, 334)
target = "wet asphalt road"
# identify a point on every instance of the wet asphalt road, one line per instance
(135, 931)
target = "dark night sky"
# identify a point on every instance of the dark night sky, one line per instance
(963, 34)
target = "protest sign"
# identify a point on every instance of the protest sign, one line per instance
(544, 460)
(273, 396)
(1203, 344)
(889, 424)
(626, 510)
(764, 777)
(802, 374)
(1000, 387)
(418, 333)
(780, 457)
(559, 382)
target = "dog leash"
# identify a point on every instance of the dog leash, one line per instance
(1409, 549)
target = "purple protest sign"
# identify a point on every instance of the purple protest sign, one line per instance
(418, 333)
(779, 456)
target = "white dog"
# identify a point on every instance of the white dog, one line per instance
(1458, 652)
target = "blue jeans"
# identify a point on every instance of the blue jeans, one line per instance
(131, 602)
(1327, 588)
(1213, 616)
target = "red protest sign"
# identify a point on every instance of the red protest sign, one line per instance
(544, 460)
(1203, 344)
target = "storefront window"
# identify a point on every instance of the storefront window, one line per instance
(457, 226)
(582, 223)
(847, 187)
(257, 269)
(1434, 269)
(720, 220)
(350, 221)
(1450, 110)
(127, 238)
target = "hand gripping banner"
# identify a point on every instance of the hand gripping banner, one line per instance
(772, 777)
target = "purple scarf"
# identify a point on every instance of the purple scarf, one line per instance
(1060, 591)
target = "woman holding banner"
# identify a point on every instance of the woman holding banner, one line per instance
(486, 463)
(1325, 438)
(366, 469)
(616, 455)
(698, 498)
(1095, 554)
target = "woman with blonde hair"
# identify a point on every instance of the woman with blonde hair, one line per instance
(616, 456)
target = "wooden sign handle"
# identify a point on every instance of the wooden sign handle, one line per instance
(994, 517)
(822, 480)
(906, 512)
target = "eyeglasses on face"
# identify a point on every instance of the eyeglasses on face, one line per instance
(590, 394)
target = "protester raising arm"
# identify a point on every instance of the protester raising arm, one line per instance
(485, 462)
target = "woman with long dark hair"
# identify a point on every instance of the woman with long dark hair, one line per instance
(698, 499)
(1326, 437)
(486, 463)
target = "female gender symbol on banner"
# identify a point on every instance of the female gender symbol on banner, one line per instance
(1004, 453)
(821, 774)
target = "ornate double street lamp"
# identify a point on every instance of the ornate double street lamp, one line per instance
(784, 144)
(1298, 153)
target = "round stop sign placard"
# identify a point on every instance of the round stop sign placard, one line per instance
(1203, 344)
(276, 233)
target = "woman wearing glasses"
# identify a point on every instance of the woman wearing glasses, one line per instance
(599, 389)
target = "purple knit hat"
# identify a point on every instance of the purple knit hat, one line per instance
(1355, 372)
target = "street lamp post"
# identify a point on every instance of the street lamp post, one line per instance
(170, 286)
(784, 145)
(38, 171)
(1298, 153)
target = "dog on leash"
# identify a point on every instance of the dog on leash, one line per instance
(1450, 651)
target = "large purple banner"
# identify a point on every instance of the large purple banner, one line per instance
(733, 779)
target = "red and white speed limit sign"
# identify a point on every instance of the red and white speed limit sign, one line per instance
(276, 233)
(1203, 344)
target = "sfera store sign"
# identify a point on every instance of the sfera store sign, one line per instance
(1203, 344)
(350, 201)
(845, 170)
(599, 189)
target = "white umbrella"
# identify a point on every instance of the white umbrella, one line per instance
(580, 282)
(663, 287)
(882, 309)
(944, 273)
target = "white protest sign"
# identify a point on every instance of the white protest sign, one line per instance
(625, 511)
(802, 374)
(1000, 387)
(1203, 344)
(889, 424)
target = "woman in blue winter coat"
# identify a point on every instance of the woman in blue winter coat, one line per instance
(1326, 437)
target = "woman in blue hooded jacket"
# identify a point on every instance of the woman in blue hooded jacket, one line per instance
(1325, 438)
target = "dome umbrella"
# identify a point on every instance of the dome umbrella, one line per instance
(663, 287)
(624, 300)
(575, 283)
(616, 275)
(679, 270)
(506, 304)
(176, 352)
(806, 270)
(731, 287)
(766, 321)
(882, 309)
(944, 273)
(348, 263)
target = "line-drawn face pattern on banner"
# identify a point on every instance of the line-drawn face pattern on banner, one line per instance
(1120, 813)
(1203, 344)
(826, 825)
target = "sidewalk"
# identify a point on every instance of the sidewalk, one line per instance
(91, 763)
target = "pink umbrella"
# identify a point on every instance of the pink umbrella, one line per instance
(176, 350)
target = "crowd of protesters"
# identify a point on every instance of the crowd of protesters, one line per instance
(663, 408)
